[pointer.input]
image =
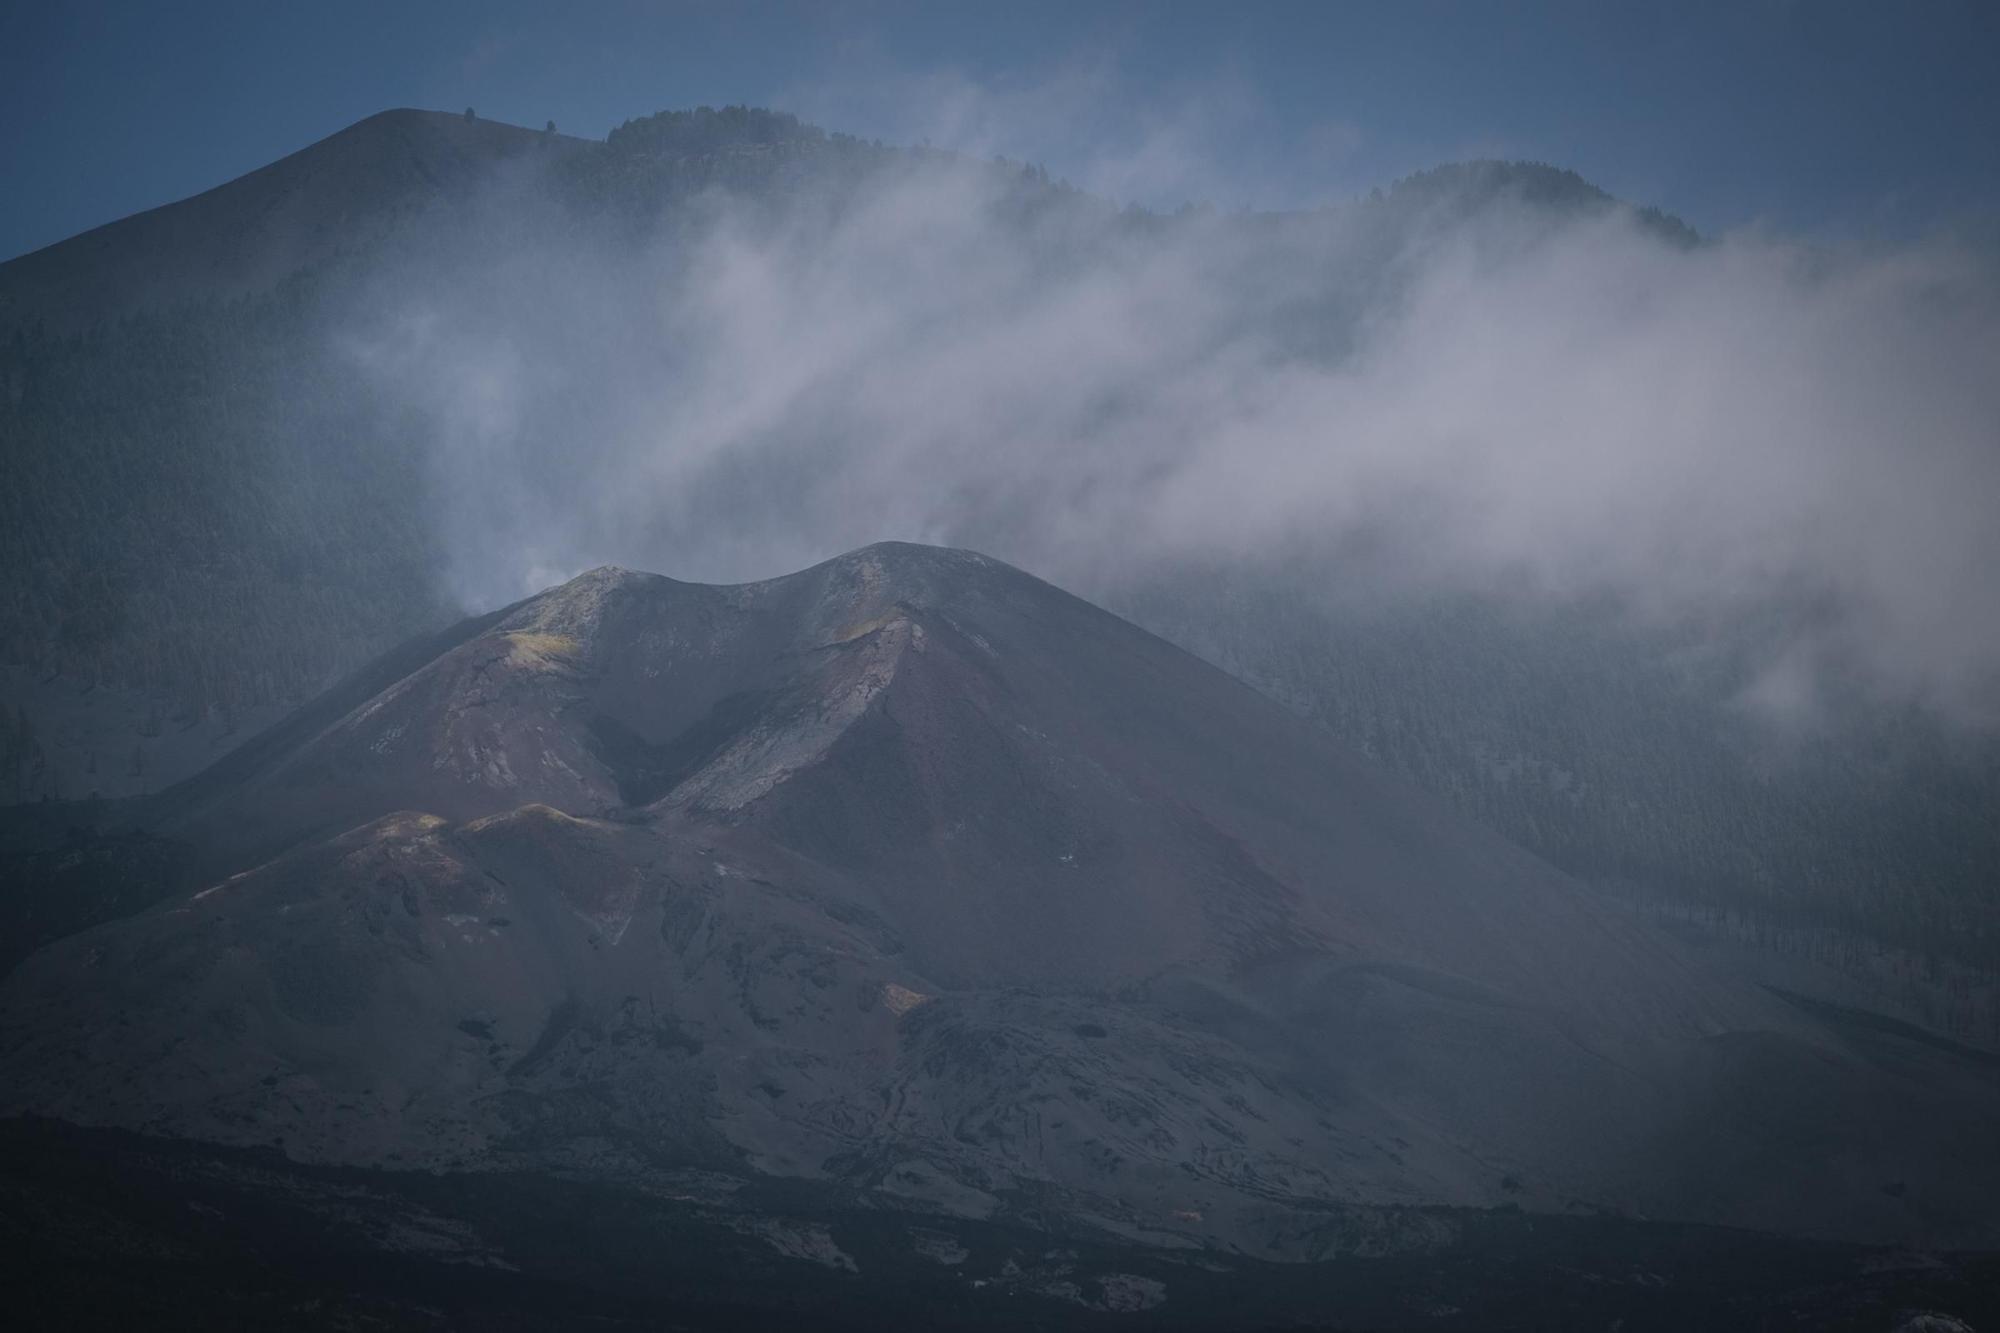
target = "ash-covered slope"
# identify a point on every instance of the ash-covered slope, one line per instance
(912, 872)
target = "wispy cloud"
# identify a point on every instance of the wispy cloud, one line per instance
(1516, 406)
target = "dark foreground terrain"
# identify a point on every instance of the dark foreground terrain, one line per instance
(110, 1228)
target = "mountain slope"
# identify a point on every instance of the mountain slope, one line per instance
(912, 873)
(335, 197)
(216, 507)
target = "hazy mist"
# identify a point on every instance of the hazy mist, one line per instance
(1756, 430)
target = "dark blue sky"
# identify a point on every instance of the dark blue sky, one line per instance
(1828, 117)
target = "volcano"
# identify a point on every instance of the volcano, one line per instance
(913, 874)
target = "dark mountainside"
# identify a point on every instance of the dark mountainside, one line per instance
(338, 198)
(211, 508)
(908, 935)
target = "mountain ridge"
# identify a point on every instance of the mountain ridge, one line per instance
(247, 234)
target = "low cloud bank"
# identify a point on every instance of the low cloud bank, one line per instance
(1505, 399)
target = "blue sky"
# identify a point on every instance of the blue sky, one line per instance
(1823, 117)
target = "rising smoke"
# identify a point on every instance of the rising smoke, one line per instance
(1455, 389)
